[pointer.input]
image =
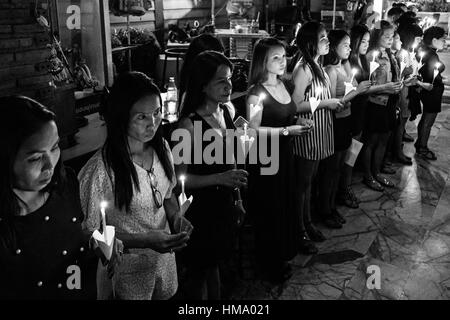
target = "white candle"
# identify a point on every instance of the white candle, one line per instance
(421, 54)
(414, 47)
(375, 54)
(182, 179)
(261, 97)
(103, 206)
(245, 131)
(354, 73)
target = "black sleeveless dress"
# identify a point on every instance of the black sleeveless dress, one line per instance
(272, 198)
(211, 211)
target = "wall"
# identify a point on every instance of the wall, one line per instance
(24, 65)
(23, 51)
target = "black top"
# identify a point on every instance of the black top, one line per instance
(38, 250)
(272, 200)
(211, 212)
(431, 99)
(359, 103)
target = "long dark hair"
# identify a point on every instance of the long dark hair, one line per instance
(204, 67)
(128, 89)
(199, 44)
(357, 33)
(21, 118)
(308, 43)
(335, 37)
(408, 35)
(258, 71)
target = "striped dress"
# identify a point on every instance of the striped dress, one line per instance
(319, 143)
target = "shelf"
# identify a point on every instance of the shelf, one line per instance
(120, 49)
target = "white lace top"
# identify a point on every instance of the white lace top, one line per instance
(144, 274)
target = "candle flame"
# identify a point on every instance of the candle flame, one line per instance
(262, 96)
(437, 65)
(182, 178)
(414, 46)
(375, 54)
(354, 71)
(103, 204)
(421, 54)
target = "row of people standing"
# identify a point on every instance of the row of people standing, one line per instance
(373, 112)
(134, 171)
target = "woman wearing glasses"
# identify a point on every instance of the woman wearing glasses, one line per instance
(134, 173)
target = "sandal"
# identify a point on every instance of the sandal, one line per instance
(385, 182)
(427, 154)
(353, 195)
(338, 216)
(348, 199)
(373, 184)
(314, 234)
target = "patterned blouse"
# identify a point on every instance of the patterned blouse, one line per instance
(144, 274)
(318, 144)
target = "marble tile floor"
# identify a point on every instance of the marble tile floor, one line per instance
(405, 231)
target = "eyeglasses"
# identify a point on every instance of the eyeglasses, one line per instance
(157, 197)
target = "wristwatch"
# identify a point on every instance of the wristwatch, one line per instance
(285, 131)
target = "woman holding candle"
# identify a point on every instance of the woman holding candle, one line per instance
(309, 78)
(381, 108)
(274, 210)
(40, 215)
(410, 37)
(359, 43)
(134, 172)
(341, 75)
(431, 97)
(215, 187)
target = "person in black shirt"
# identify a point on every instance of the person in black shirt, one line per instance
(431, 97)
(44, 254)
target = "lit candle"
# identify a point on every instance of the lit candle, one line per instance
(261, 97)
(103, 206)
(245, 130)
(354, 73)
(436, 70)
(421, 55)
(182, 179)
(414, 47)
(375, 55)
